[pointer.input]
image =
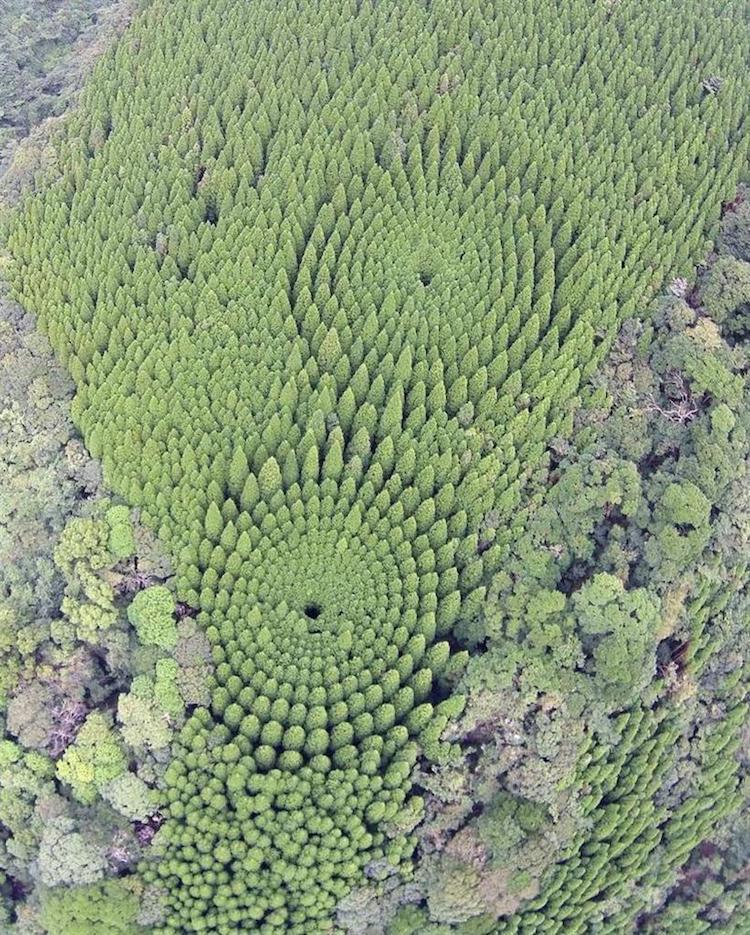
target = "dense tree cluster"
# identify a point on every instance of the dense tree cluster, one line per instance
(45, 469)
(329, 280)
(70, 810)
(81, 765)
(577, 808)
(46, 50)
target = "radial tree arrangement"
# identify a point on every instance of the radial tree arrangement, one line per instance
(329, 278)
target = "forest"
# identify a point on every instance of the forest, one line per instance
(375, 429)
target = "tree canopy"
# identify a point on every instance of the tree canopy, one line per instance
(331, 280)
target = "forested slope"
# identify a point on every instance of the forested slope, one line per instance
(47, 47)
(336, 286)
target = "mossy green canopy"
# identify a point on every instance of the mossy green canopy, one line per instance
(328, 278)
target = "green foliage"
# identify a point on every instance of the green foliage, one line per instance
(458, 892)
(93, 759)
(67, 856)
(325, 315)
(40, 52)
(121, 542)
(152, 614)
(109, 907)
(130, 796)
(619, 629)
(25, 778)
(726, 294)
(89, 553)
(734, 235)
(649, 587)
(711, 892)
(144, 725)
(44, 471)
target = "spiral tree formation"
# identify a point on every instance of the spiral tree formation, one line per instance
(329, 278)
